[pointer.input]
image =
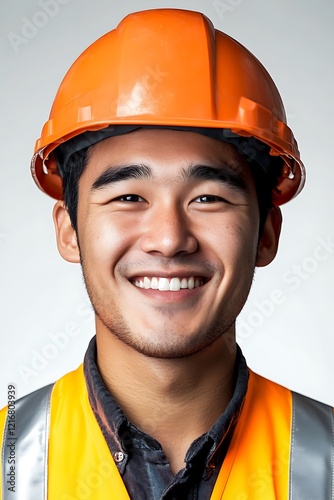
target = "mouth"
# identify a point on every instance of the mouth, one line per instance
(173, 284)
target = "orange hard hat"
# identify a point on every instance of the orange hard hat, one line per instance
(168, 67)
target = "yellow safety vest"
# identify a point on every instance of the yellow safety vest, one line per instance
(282, 447)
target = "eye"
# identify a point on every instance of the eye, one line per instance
(208, 198)
(129, 198)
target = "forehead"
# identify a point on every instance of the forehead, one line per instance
(165, 151)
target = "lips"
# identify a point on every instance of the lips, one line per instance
(173, 284)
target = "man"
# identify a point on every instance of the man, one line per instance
(168, 150)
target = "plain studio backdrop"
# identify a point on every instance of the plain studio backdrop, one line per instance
(286, 329)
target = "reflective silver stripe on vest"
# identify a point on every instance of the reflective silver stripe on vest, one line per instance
(312, 450)
(31, 447)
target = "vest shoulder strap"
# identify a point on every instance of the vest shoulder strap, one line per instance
(28, 442)
(312, 450)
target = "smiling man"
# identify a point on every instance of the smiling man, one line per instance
(168, 151)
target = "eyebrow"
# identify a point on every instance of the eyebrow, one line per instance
(122, 173)
(224, 174)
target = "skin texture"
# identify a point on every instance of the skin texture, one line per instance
(175, 351)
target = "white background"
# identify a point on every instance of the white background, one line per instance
(46, 320)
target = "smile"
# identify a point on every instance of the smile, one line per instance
(169, 285)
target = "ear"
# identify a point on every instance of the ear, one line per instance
(66, 236)
(268, 242)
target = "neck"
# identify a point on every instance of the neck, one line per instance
(173, 400)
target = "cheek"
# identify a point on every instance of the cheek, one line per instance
(104, 240)
(232, 238)
(238, 258)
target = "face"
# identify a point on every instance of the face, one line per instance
(168, 234)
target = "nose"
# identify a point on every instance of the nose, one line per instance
(167, 232)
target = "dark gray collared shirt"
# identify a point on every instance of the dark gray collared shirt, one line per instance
(140, 458)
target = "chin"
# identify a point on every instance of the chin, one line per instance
(168, 344)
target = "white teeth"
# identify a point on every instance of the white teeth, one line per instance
(191, 283)
(184, 283)
(175, 284)
(164, 284)
(154, 283)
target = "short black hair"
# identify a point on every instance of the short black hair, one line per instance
(76, 166)
(266, 183)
